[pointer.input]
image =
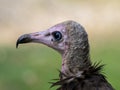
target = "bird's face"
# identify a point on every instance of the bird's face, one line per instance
(55, 37)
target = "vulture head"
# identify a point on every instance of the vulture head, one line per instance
(68, 38)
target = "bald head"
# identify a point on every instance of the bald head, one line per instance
(68, 38)
(58, 37)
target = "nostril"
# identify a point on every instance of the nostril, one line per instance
(47, 34)
(36, 34)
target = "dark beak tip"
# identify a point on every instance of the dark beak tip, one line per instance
(17, 45)
(18, 42)
(26, 38)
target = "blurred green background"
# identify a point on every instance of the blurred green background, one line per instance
(32, 66)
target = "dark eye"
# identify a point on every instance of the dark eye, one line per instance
(57, 35)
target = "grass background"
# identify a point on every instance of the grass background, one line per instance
(31, 67)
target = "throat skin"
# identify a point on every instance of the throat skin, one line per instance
(75, 61)
(76, 57)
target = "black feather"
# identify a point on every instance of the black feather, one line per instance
(92, 80)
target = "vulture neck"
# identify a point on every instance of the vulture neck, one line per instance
(76, 58)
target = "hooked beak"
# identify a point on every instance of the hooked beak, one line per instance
(26, 38)
(37, 37)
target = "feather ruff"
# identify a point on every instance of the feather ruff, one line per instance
(91, 79)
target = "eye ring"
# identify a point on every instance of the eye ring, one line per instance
(57, 35)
